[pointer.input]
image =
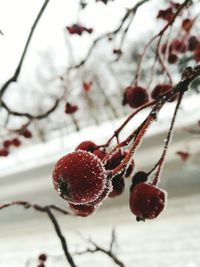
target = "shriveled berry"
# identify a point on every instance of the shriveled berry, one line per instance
(165, 14)
(136, 96)
(87, 146)
(42, 257)
(79, 177)
(146, 201)
(82, 210)
(184, 155)
(41, 265)
(196, 55)
(78, 29)
(179, 46)
(130, 169)
(87, 86)
(117, 186)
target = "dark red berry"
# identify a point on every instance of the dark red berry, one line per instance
(165, 14)
(82, 210)
(4, 152)
(196, 55)
(183, 155)
(187, 24)
(7, 143)
(179, 46)
(172, 58)
(42, 257)
(79, 177)
(139, 177)
(41, 265)
(78, 29)
(161, 89)
(192, 43)
(87, 146)
(130, 169)
(146, 201)
(117, 185)
(26, 133)
(136, 96)
(16, 142)
(70, 109)
(115, 160)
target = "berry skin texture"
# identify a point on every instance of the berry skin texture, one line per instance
(79, 177)
(82, 210)
(146, 201)
(136, 96)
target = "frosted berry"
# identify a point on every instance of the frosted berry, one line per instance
(161, 89)
(99, 153)
(117, 185)
(87, 146)
(82, 210)
(79, 177)
(146, 201)
(136, 96)
(115, 160)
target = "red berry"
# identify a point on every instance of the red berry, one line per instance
(130, 169)
(87, 86)
(183, 155)
(192, 43)
(161, 89)
(187, 24)
(70, 109)
(172, 58)
(136, 96)
(16, 142)
(78, 29)
(87, 146)
(117, 185)
(42, 257)
(115, 160)
(179, 46)
(165, 14)
(79, 177)
(82, 210)
(139, 177)
(7, 143)
(26, 133)
(146, 201)
(4, 152)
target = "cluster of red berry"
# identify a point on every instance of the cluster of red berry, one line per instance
(84, 178)
(16, 142)
(78, 29)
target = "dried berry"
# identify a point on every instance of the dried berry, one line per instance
(78, 29)
(139, 177)
(136, 96)
(179, 46)
(26, 133)
(183, 155)
(146, 201)
(192, 43)
(79, 177)
(165, 14)
(87, 86)
(172, 58)
(7, 143)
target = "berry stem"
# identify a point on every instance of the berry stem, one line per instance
(160, 163)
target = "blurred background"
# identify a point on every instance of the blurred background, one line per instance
(25, 174)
